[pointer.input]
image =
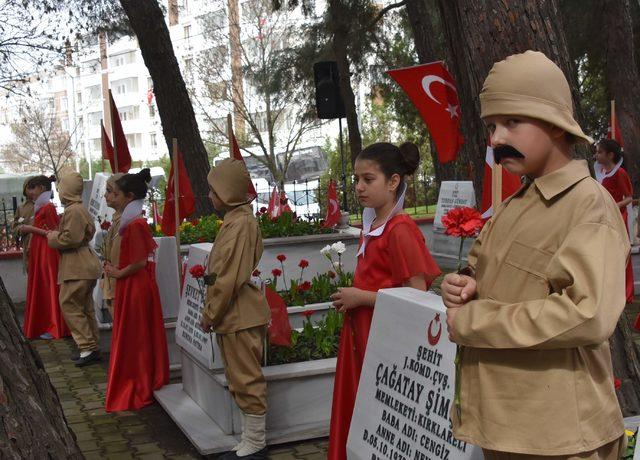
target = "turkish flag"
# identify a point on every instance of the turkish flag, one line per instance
(251, 191)
(187, 201)
(279, 326)
(618, 137)
(510, 183)
(107, 148)
(432, 90)
(157, 218)
(119, 140)
(333, 206)
(274, 210)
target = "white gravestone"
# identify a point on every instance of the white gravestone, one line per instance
(189, 336)
(406, 388)
(97, 205)
(453, 194)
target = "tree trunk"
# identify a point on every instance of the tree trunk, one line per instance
(424, 36)
(33, 424)
(621, 75)
(339, 28)
(479, 33)
(176, 112)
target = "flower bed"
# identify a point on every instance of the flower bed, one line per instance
(205, 229)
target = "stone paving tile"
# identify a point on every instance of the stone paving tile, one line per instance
(149, 433)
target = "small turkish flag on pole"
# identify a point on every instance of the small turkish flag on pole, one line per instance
(279, 326)
(333, 207)
(509, 184)
(274, 210)
(432, 90)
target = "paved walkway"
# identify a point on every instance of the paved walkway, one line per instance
(148, 433)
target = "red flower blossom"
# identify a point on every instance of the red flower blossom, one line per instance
(202, 239)
(276, 272)
(263, 210)
(195, 222)
(281, 257)
(331, 274)
(303, 263)
(197, 271)
(304, 286)
(308, 313)
(256, 273)
(105, 225)
(463, 222)
(617, 383)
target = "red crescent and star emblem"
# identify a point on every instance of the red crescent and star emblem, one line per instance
(434, 339)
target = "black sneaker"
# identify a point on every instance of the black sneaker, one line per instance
(92, 358)
(74, 357)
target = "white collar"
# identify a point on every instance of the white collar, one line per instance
(131, 211)
(369, 215)
(44, 198)
(601, 175)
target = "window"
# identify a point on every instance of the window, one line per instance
(79, 98)
(94, 118)
(220, 54)
(184, 6)
(96, 144)
(131, 112)
(64, 124)
(149, 82)
(152, 111)
(260, 119)
(125, 85)
(133, 140)
(64, 104)
(187, 34)
(122, 59)
(216, 20)
(154, 140)
(94, 92)
(188, 64)
(218, 91)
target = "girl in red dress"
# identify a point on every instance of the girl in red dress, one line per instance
(392, 253)
(43, 317)
(614, 178)
(139, 362)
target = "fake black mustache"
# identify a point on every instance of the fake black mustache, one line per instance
(506, 151)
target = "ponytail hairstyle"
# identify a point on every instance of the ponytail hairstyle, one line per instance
(41, 180)
(135, 183)
(403, 160)
(611, 146)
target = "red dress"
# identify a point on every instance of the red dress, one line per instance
(139, 362)
(390, 259)
(42, 310)
(619, 186)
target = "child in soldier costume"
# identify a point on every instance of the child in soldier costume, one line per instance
(24, 216)
(544, 287)
(79, 269)
(235, 309)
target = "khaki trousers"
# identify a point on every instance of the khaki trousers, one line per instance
(76, 303)
(241, 353)
(611, 451)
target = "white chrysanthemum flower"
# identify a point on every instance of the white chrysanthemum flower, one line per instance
(326, 250)
(339, 247)
(336, 265)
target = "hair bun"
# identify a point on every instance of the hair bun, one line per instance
(52, 178)
(410, 157)
(145, 174)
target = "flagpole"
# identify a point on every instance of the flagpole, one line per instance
(496, 186)
(613, 119)
(113, 136)
(230, 134)
(176, 194)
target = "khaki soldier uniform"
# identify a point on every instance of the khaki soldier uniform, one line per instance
(237, 307)
(79, 266)
(26, 212)
(536, 374)
(112, 250)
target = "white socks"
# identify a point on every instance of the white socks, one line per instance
(253, 435)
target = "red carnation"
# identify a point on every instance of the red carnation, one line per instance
(105, 225)
(308, 313)
(281, 257)
(463, 222)
(276, 272)
(197, 271)
(256, 273)
(331, 274)
(303, 263)
(304, 286)
(617, 383)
